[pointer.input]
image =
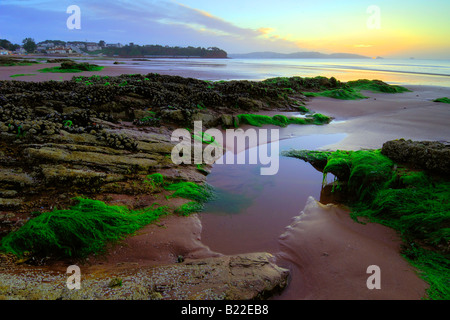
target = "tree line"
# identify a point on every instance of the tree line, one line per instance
(131, 49)
(28, 44)
(158, 50)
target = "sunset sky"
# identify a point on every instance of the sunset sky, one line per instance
(406, 28)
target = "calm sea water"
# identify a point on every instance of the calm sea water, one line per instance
(410, 71)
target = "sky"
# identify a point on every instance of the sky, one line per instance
(391, 29)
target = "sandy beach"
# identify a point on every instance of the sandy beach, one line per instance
(325, 250)
(109, 70)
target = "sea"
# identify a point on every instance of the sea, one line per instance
(392, 71)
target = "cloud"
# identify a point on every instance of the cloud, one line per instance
(265, 30)
(142, 21)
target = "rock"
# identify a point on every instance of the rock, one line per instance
(68, 65)
(139, 114)
(227, 120)
(10, 203)
(249, 104)
(8, 193)
(428, 155)
(239, 277)
(13, 177)
(176, 116)
(116, 163)
(236, 121)
(60, 174)
(207, 119)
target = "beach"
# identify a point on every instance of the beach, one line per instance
(109, 70)
(326, 252)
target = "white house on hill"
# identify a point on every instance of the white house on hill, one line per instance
(61, 50)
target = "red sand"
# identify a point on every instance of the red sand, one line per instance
(331, 254)
(7, 72)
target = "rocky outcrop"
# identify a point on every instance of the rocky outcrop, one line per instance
(97, 135)
(240, 277)
(38, 174)
(100, 137)
(171, 98)
(428, 155)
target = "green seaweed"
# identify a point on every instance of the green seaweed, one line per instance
(190, 190)
(376, 86)
(22, 75)
(154, 180)
(414, 203)
(433, 267)
(300, 84)
(200, 194)
(201, 169)
(318, 159)
(443, 100)
(351, 90)
(61, 70)
(342, 94)
(258, 120)
(189, 208)
(365, 171)
(205, 138)
(303, 109)
(79, 231)
(8, 61)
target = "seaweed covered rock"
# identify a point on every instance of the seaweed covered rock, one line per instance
(84, 66)
(59, 60)
(429, 155)
(176, 97)
(15, 61)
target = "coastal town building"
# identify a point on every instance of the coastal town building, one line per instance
(114, 45)
(45, 45)
(4, 52)
(20, 50)
(77, 44)
(60, 50)
(92, 46)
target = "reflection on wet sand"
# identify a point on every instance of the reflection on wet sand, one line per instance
(326, 251)
(329, 254)
(250, 210)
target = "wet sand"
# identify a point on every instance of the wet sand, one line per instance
(383, 117)
(331, 254)
(327, 252)
(161, 243)
(109, 70)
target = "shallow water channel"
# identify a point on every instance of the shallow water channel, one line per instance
(252, 210)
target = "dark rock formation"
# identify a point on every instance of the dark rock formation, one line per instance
(428, 155)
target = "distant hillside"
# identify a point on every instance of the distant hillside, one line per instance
(296, 55)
